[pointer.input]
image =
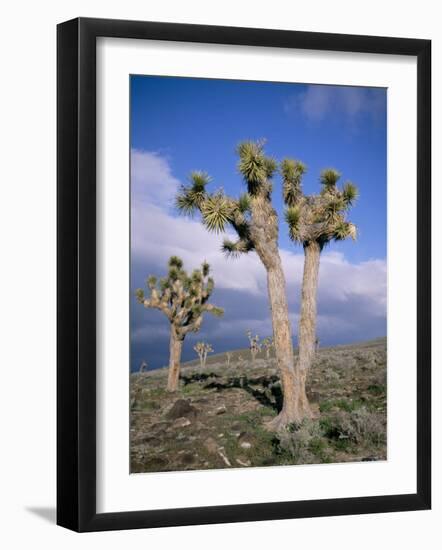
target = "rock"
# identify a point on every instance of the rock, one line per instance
(245, 440)
(222, 454)
(182, 422)
(211, 445)
(243, 461)
(221, 410)
(182, 407)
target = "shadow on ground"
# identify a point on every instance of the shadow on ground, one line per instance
(269, 396)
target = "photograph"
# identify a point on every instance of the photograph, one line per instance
(258, 274)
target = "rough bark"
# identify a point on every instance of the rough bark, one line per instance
(264, 232)
(295, 404)
(175, 348)
(307, 322)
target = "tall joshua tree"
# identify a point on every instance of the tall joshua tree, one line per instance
(314, 221)
(255, 222)
(183, 299)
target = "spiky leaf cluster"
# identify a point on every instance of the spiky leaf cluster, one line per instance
(256, 168)
(267, 342)
(323, 217)
(192, 196)
(220, 211)
(254, 343)
(182, 297)
(292, 172)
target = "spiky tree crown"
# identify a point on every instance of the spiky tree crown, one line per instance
(267, 342)
(323, 217)
(203, 348)
(254, 341)
(218, 210)
(183, 298)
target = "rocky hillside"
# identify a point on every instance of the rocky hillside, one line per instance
(217, 418)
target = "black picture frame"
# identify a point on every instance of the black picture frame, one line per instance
(76, 274)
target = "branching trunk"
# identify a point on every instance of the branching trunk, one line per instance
(264, 232)
(295, 405)
(175, 348)
(307, 323)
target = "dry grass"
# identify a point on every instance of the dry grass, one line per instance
(346, 387)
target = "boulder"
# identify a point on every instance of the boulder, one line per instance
(182, 407)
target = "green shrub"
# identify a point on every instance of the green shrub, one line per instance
(358, 426)
(303, 444)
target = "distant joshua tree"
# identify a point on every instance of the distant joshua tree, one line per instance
(255, 222)
(183, 299)
(143, 366)
(202, 349)
(314, 221)
(267, 344)
(254, 345)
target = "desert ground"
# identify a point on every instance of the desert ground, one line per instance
(217, 418)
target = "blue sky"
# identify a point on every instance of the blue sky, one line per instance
(182, 124)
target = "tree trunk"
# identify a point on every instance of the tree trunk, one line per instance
(307, 322)
(295, 405)
(264, 234)
(176, 345)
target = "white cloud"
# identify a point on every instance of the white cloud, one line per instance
(157, 234)
(350, 101)
(152, 181)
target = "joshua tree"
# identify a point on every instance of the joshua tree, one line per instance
(254, 345)
(183, 299)
(255, 222)
(314, 221)
(143, 366)
(267, 344)
(202, 349)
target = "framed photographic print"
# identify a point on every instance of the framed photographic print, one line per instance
(243, 274)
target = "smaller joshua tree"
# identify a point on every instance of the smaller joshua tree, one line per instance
(183, 298)
(203, 349)
(255, 346)
(267, 344)
(143, 366)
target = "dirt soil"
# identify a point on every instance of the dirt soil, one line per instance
(217, 418)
